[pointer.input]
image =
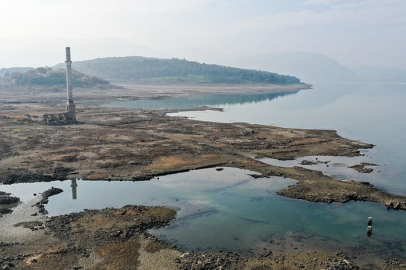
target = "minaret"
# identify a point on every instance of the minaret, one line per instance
(70, 104)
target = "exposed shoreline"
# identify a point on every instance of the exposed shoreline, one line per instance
(134, 145)
(118, 239)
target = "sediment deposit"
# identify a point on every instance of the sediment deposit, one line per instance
(135, 145)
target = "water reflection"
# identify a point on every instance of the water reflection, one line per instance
(230, 210)
(335, 166)
(74, 185)
(196, 101)
(371, 113)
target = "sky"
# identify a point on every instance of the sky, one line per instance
(355, 33)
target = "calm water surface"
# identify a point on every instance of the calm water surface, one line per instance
(230, 210)
(194, 101)
(373, 113)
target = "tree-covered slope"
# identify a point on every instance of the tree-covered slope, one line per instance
(142, 69)
(49, 77)
(6, 72)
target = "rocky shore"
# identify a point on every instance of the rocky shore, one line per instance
(118, 239)
(362, 167)
(136, 145)
(7, 202)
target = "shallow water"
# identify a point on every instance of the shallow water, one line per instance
(230, 210)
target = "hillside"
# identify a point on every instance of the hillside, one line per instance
(6, 72)
(154, 70)
(49, 77)
(310, 67)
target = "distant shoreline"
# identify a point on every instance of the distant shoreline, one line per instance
(10, 93)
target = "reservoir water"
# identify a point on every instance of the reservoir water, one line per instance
(194, 101)
(232, 211)
(373, 113)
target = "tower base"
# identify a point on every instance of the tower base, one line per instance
(71, 112)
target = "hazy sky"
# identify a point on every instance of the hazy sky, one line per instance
(355, 33)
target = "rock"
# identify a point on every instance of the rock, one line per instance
(51, 192)
(307, 162)
(5, 211)
(396, 206)
(389, 205)
(7, 199)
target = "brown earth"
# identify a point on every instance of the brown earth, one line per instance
(131, 144)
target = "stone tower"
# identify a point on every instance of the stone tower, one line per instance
(71, 114)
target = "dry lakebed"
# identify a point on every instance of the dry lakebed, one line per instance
(118, 144)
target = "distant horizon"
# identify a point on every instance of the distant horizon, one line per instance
(58, 57)
(308, 67)
(352, 32)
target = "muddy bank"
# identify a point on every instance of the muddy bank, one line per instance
(131, 144)
(11, 94)
(362, 167)
(22, 233)
(93, 239)
(7, 202)
(321, 188)
(118, 239)
(45, 196)
(292, 261)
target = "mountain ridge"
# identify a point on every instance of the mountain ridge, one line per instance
(310, 67)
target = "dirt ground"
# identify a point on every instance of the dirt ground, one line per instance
(134, 145)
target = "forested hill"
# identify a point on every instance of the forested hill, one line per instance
(48, 77)
(154, 70)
